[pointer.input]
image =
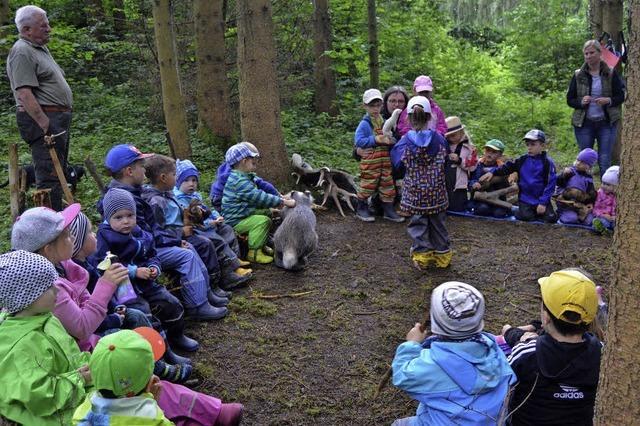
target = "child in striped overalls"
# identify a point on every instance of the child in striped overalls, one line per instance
(375, 165)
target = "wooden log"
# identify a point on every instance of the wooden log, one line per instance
(14, 181)
(91, 167)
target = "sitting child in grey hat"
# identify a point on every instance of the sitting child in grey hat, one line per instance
(459, 374)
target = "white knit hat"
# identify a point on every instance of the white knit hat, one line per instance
(611, 176)
(456, 310)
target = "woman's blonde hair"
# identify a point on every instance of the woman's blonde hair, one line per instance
(592, 43)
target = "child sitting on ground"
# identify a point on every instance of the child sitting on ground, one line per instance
(461, 161)
(127, 391)
(424, 195)
(605, 208)
(459, 375)
(44, 374)
(161, 173)
(135, 248)
(375, 167)
(245, 207)
(126, 164)
(492, 158)
(222, 174)
(536, 179)
(212, 225)
(575, 193)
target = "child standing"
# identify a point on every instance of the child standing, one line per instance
(127, 391)
(424, 195)
(536, 179)
(44, 374)
(245, 207)
(492, 158)
(222, 174)
(212, 227)
(461, 161)
(375, 167)
(575, 192)
(460, 375)
(135, 248)
(605, 208)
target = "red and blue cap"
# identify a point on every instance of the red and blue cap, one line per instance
(120, 156)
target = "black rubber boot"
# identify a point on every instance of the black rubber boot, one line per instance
(390, 213)
(363, 213)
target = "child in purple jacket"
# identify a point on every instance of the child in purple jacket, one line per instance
(575, 193)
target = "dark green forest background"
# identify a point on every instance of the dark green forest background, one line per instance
(503, 66)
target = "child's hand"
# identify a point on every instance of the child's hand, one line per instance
(380, 140)
(289, 202)
(567, 171)
(416, 334)
(608, 217)
(541, 209)
(219, 221)
(154, 272)
(143, 273)
(453, 157)
(116, 274)
(85, 373)
(476, 186)
(485, 177)
(184, 244)
(364, 152)
(154, 387)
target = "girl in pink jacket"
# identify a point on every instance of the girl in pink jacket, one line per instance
(604, 210)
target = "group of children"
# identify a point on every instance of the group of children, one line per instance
(461, 374)
(66, 291)
(436, 169)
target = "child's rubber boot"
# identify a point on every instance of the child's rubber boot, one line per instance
(422, 259)
(243, 271)
(215, 300)
(205, 312)
(230, 415)
(243, 263)
(178, 373)
(257, 256)
(443, 259)
(390, 213)
(170, 357)
(363, 213)
(184, 343)
(598, 226)
(267, 250)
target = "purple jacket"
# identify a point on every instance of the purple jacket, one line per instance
(577, 180)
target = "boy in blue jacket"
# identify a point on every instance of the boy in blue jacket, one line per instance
(459, 375)
(536, 179)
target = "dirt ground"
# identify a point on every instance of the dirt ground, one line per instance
(316, 359)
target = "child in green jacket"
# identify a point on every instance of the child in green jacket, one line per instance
(44, 374)
(245, 207)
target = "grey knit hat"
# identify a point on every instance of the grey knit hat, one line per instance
(78, 230)
(117, 199)
(24, 277)
(39, 226)
(456, 310)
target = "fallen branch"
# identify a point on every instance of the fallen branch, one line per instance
(533, 314)
(364, 313)
(280, 296)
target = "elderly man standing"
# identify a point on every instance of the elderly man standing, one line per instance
(42, 95)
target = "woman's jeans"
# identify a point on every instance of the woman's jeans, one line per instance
(604, 132)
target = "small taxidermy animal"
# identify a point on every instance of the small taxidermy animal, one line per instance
(391, 123)
(296, 237)
(195, 214)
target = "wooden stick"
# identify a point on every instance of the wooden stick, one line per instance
(50, 142)
(14, 189)
(91, 167)
(280, 296)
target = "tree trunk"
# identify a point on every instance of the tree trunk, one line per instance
(95, 18)
(172, 100)
(4, 12)
(374, 64)
(213, 87)
(612, 16)
(618, 393)
(258, 87)
(119, 18)
(595, 17)
(325, 79)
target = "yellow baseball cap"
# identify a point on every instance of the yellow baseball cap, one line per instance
(569, 291)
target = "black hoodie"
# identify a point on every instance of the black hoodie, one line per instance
(565, 377)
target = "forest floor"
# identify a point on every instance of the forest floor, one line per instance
(316, 359)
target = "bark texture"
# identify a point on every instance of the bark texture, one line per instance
(325, 79)
(212, 86)
(618, 391)
(374, 61)
(172, 99)
(595, 17)
(258, 88)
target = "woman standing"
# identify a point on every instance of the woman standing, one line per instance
(596, 93)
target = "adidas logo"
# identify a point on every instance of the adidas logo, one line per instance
(569, 392)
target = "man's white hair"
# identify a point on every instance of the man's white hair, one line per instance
(24, 16)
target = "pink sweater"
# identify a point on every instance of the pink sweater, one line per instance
(605, 204)
(79, 311)
(436, 123)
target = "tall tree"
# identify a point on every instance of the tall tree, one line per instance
(119, 18)
(212, 86)
(325, 78)
(374, 62)
(172, 99)
(595, 17)
(612, 16)
(618, 392)
(258, 86)
(4, 12)
(95, 17)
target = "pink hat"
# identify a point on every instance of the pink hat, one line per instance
(422, 83)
